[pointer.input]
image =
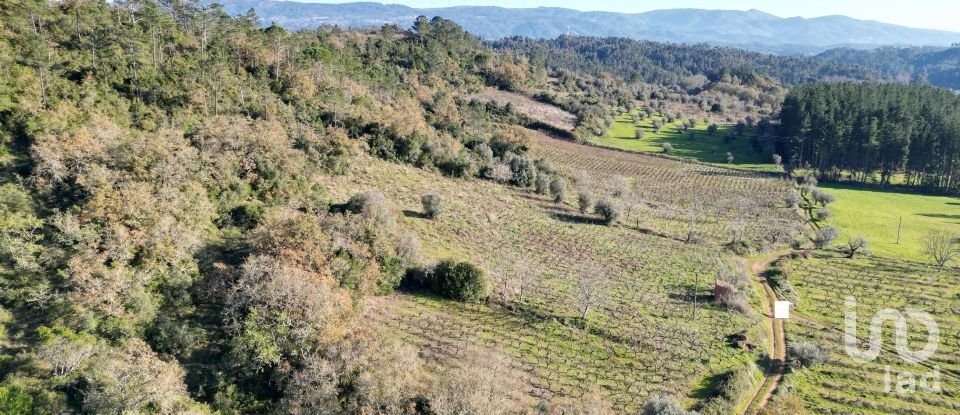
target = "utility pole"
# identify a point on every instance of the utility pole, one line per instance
(900, 222)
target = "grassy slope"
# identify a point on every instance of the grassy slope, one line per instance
(874, 214)
(704, 146)
(642, 341)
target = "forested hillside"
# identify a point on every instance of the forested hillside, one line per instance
(857, 130)
(669, 63)
(933, 65)
(167, 245)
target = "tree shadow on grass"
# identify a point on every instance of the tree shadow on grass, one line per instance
(955, 218)
(414, 214)
(575, 218)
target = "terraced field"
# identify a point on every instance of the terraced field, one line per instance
(723, 203)
(845, 386)
(655, 332)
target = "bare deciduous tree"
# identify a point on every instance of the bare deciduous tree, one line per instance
(619, 186)
(591, 289)
(942, 247)
(527, 278)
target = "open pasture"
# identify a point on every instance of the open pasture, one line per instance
(654, 330)
(876, 215)
(696, 142)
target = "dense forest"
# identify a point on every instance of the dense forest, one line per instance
(165, 244)
(669, 63)
(856, 130)
(920, 65)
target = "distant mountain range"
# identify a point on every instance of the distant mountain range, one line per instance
(751, 29)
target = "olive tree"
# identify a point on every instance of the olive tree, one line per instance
(825, 236)
(585, 200)
(855, 244)
(558, 189)
(609, 210)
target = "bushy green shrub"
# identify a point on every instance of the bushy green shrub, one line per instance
(14, 401)
(804, 354)
(432, 205)
(461, 281)
(524, 171)
(608, 210)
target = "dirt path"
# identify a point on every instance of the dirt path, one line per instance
(777, 347)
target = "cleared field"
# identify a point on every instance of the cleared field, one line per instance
(701, 145)
(656, 332)
(546, 113)
(875, 214)
(722, 202)
(845, 386)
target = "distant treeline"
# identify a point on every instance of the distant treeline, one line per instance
(669, 63)
(920, 65)
(865, 128)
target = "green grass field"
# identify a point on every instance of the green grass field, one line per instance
(875, 214)
(703, 146)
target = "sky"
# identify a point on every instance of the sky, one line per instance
(928, 14)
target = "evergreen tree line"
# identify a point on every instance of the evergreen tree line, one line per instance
(871, 132)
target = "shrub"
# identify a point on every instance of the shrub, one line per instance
(523, 171)
(558, 189)
(545, 166)
(804, 354)
(585, 201)
(667, 148)
(727, 295)
(825, 236)
(14, 401)
(542, 184)
(663, 406)
(639, 134)
(432, 205)
(499, 172)
(461, 281)
(374, 207)
(609, 210)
